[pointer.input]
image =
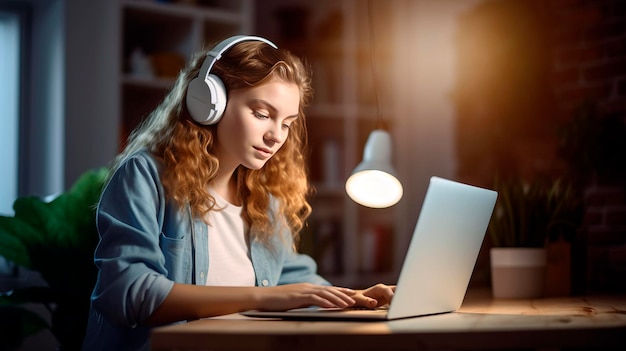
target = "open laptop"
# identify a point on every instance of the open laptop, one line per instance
(439, 262)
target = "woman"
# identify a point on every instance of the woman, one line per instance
(200, 218)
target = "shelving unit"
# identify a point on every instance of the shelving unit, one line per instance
(165, 34)
(354, 246)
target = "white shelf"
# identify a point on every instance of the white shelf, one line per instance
(343, 111)
(171, 32)
(186, 11)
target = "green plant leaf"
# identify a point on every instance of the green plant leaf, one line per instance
(16, 236)
(56, 239)
(529, 214)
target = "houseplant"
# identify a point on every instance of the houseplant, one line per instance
(56, 239)
(527, 216)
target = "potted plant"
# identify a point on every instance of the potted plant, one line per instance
(526, 217)
(56, 239)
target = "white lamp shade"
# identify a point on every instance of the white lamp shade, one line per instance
(373, 182)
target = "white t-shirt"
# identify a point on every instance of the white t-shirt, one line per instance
(229, 260)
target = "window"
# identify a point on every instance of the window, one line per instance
(10, 34)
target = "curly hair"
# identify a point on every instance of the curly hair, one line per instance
(186, 147)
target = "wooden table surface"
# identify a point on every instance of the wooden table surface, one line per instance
(481, 323)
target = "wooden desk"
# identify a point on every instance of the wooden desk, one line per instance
(481, 323)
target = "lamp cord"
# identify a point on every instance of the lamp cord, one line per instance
(372, 40)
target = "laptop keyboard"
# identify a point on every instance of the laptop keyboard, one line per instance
(361, 308)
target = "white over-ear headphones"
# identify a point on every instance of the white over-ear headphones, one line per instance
(206, 95)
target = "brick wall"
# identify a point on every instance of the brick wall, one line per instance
(541, 92)
(605, 230)
(589, 60)
(589, 43)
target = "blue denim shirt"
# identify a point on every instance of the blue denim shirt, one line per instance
(147, 243)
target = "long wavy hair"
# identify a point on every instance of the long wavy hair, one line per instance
(186, 147)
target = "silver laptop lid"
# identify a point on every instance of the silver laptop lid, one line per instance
(443, 250)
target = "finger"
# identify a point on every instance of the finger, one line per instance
(388, 293)
(346, 291)
(328, 296)
(382, 293)
(365, 301)
(336, 296)
(321, 301)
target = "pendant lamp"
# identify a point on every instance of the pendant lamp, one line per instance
(374, 182)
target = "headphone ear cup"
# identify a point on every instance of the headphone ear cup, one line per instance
(206, 99)
(218, 97)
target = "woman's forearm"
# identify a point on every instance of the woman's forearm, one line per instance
(187, 302)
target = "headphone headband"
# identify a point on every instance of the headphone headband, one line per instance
(206, 94)
(216, 53)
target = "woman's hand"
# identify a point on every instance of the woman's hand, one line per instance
(285, 297)
(375, 296)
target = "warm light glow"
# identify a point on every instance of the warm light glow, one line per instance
(373, 182)
(374, 188)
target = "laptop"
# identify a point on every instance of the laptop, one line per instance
(439, 261)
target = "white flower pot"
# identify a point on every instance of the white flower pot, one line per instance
(517, 272)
